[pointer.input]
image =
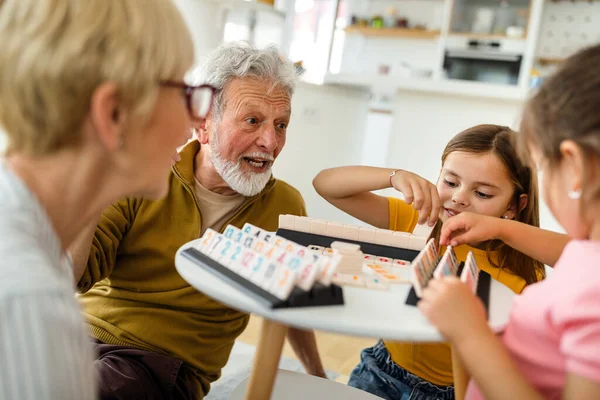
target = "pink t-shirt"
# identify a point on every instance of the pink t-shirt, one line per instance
(554, 326)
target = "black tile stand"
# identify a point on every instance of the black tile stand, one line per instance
(483, 289)
(319, 295)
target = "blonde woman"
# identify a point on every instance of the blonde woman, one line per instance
(93, 104)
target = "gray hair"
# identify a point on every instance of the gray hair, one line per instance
(244, 60)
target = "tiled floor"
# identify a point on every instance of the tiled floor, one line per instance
(338, 353)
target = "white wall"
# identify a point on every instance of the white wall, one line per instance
(424, 123)
(325, 131)
(364, 55)
(205, 21)
(377, 132)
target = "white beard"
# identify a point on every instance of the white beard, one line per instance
(245, 183)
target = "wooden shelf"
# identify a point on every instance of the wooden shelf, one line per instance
(393, 32)
(257, 6)
(549, 60)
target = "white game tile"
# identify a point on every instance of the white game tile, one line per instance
(287, 221)
(318, 226)
(302, 224)
(350, 232)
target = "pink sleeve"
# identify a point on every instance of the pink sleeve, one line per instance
(578, 323)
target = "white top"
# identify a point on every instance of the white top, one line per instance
(45, 352)
(365, 312)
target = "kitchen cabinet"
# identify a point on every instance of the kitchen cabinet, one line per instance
(485, 18)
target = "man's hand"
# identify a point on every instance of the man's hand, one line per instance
(450, 305)
(305, 346)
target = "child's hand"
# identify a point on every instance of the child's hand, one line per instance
(419, 192)
(450, 305)
(469, 228)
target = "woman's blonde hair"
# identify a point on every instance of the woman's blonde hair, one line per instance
(55, 53)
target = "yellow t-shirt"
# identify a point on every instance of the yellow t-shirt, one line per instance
(433, 362)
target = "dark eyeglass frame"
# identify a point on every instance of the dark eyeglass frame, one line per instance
(189, 91)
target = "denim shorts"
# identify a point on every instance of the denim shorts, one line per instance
(378, 374)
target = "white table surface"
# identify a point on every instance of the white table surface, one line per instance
(366, 312)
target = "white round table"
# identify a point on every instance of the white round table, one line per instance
(365, 312)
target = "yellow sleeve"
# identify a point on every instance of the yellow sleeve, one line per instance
(403, 217)
(112, 227)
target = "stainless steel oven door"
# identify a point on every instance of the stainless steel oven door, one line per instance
(483, 66)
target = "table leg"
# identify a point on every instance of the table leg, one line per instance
(266, 361)
(461, 376)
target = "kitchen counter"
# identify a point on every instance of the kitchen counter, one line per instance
(388, 83)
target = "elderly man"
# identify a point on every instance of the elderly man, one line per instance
(156, 336)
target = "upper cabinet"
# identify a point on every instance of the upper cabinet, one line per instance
(490, 18)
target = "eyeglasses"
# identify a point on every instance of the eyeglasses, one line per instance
(199, 98)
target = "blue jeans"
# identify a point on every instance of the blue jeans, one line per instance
(378, 374)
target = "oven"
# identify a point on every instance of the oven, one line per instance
(483, 61)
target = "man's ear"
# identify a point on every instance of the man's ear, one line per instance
(107, 116)
(203, 129)
(511, 212)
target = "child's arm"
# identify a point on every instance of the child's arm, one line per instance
(349, 189)
(539, 244)
(459, 315)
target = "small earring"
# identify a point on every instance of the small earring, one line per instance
(574, 194)
(505, 216)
